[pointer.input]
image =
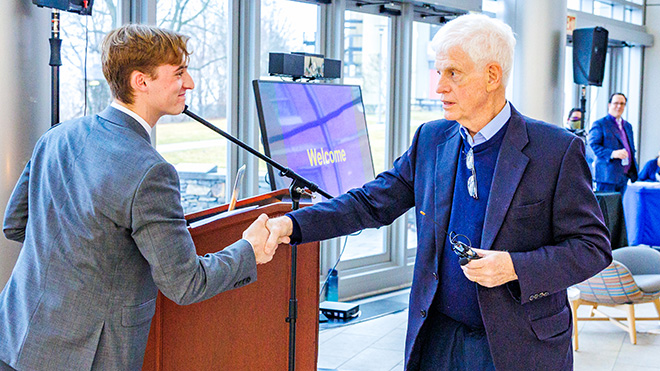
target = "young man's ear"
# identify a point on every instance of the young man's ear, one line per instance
(138, 81)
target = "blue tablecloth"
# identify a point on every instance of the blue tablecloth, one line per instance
(641, 207)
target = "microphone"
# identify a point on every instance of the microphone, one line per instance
(463, 250)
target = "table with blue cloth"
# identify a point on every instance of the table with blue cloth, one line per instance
(641, 206)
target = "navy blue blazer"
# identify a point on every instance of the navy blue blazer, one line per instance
(603, 139)
(649, 170)
(541, 209)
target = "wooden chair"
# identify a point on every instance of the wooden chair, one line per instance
(632, 278)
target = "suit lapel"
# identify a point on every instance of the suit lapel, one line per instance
(629, 134)
(510, 166)
(614, 129)
(445, 177)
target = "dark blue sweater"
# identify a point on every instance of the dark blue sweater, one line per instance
(457, 296)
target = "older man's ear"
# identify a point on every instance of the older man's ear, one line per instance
(494, 71)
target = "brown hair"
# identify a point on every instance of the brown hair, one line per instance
(140, 48)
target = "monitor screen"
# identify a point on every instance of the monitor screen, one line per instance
(317, 130)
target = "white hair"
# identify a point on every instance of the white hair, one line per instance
(483, 38)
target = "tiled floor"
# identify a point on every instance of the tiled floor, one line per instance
(378, 345)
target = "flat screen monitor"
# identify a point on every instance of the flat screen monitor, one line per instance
(317, 130)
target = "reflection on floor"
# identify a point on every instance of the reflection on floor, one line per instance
(378, 344)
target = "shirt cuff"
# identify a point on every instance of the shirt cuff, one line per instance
(296, 234)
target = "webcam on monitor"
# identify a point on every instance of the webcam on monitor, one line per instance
(82, 7)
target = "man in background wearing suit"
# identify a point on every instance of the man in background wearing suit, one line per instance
(99, 214)
(516, 188)
(611, 138)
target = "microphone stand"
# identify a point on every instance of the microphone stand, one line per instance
(55, 63)
(299, 186)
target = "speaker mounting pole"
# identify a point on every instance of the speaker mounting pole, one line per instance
(583, 103)
(55, 63)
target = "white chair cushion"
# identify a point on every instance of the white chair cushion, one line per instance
(647, 282)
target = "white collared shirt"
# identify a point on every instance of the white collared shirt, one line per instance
(490, 129)
(134, 115)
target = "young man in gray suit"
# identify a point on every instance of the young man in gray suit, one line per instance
(99, 214)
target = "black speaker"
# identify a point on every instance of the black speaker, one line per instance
(589, 51)
(82, 7)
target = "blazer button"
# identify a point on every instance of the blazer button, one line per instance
(435, 275)
(422, 313)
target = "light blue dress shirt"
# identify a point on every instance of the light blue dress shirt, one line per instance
(490, 129)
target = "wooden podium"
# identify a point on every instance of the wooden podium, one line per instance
(246, 328)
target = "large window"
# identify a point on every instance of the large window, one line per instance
(286, 26)
(198, 153)
(620, 10)
(425, 104)
(81, 77)
(366, 63)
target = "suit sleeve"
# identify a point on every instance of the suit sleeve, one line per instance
(16, 213)
(377, 203)
(160, 232)
(596, 141)
(582, 246)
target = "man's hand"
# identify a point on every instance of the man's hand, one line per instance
(495, 268)
(257, 234)
(620, 154)
(280, 230)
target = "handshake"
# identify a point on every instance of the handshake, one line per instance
(266, 234)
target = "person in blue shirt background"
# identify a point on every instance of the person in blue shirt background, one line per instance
(575, 124)
(651, 170)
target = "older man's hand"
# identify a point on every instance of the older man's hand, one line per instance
(257, 234)
(493, 269)
(280, 229)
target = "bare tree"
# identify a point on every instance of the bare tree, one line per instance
(206, 21)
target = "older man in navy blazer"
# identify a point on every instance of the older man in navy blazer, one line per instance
(611, 139)
(516, 188)
(99, 214)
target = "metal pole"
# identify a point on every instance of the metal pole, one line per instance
(55, 63)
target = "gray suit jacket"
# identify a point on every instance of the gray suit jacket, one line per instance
(99, 213)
